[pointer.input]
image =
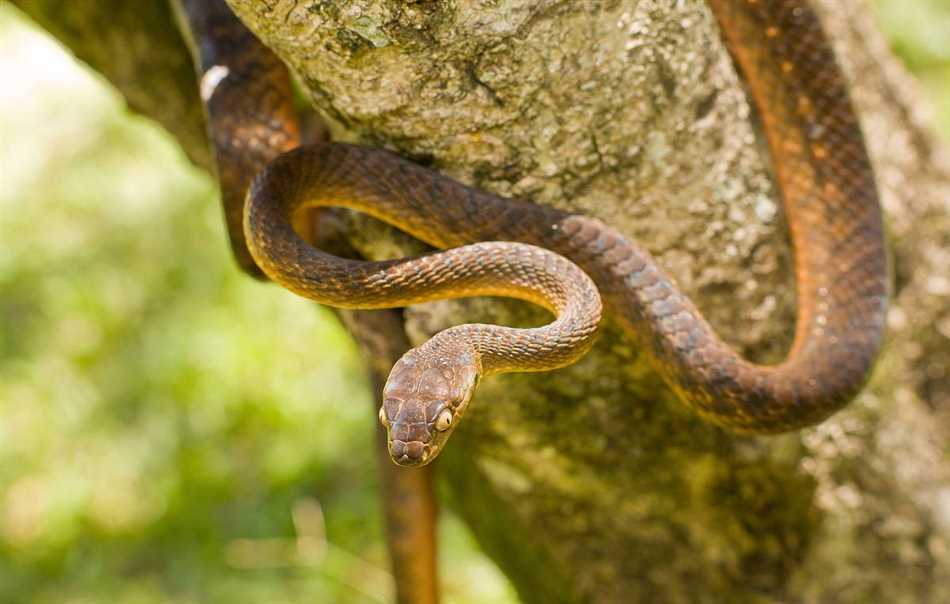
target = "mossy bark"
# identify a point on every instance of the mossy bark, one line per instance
(592, 484)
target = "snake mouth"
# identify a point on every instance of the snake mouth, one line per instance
(410, 454)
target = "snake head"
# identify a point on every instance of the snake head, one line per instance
(426, 394)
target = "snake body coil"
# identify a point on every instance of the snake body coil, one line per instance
(827, 186)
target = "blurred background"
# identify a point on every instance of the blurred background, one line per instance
(171, 431)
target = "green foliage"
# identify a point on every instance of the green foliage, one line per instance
(920, 33)
(170, 430)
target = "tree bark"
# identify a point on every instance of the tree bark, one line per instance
(138, 48)
(592, 484)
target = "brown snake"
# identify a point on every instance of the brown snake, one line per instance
(823, 174)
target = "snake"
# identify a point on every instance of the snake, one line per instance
(576, 266)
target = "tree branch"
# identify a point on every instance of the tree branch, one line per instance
(137, 47)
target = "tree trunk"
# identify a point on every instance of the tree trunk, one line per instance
(593, 484)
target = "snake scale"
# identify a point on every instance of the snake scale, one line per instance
(560, 260)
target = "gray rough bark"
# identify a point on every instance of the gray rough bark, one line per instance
(592, 484)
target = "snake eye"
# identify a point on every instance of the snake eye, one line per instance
(382, 417)
(444, 420)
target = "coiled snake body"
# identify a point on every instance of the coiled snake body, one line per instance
(827, 186)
